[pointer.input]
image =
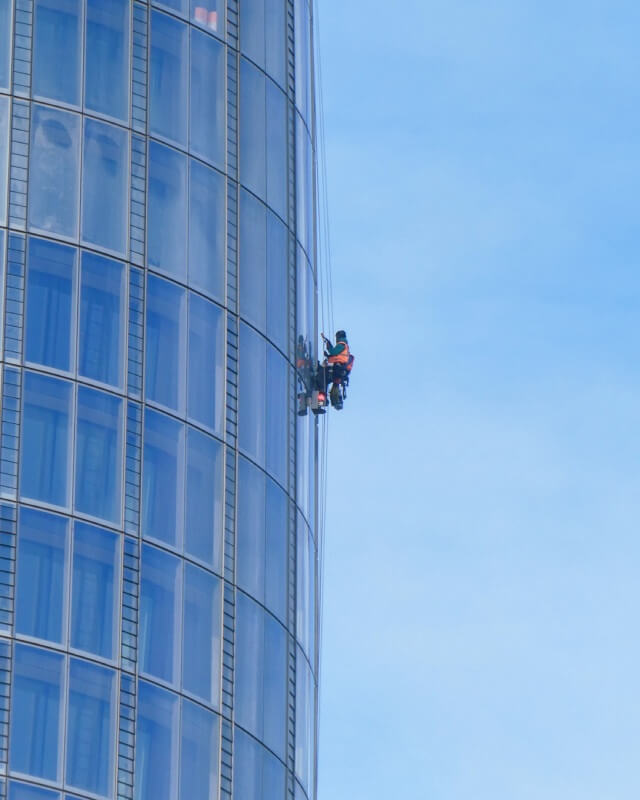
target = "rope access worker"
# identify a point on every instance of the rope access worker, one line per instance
(339, 361)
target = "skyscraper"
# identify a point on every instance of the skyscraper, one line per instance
(158, 548)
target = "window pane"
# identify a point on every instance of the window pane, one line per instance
(253, 173)
(165, 346)
(57, 41)
(156, 743)
(167, 210)
(251, 528)
(91, 727)
(162, 478)
(208, 101)
(253, 260)
(6, 29)
(252, 30)
(199, 753)
(275, 590)
(42, 579)
(275, 685)
(275, 48)
(107, 52)
(277, 393)
(304, 185)
(24, 791)
(251, 402)
(104, 187)
(247, 767)
(206, 363)
(277, 291)
(203, 529)
(99, 454)
(305, 722)
(209, 13)
(54, 171)
(35, 720)
(303, 57)
(168, 78)
(45, 465)
(50, 298)
(201, 634)
(94, 598)
(102, 314)
(276, 149)
(305, 593)
(177, 5)
(160, 614)
(273, 777)
(4, 144)
(206, 230)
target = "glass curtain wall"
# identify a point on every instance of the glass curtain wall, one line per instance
(156, 275)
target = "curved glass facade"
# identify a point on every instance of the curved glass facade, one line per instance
(158, 552)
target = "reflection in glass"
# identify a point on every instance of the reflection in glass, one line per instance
(104, 186)
(168, 78)
(50, 295)
(206, 363)
(57, 40)
(276, 420)
(6, 29)
(210, 14)
(4, 142)
(276, 148)
(167, 216)
(304, 185)
(91, 727)
(26, 791)
(207, 128)
(253, 260)
(102, 312)
(160, 604)
(206, 230)
(176, 5)
(93, 595)
(203, 526)
(277, 292)
(200, 741)
(251, 400)
(54, 171)
(165, 345)
(156, 743)
(98, 454)
(106, 87)
(257, 774)
(42, 575)
(201, 634)
(305, 728)
(253, 111)
(35, 718)
(275, 588)
(162, 478)
(305, 589)
(262, 35)
(45, 463)
(303, 56)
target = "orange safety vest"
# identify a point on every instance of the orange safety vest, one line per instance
(341, 358)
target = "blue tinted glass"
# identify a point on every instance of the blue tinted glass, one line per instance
(277, 294)
(203, 527)
(251, 529)
(40, 587)
(201, 634)
(177, 5)
(4, 148)
(156, 743)
(303, 56)
(6, 30)
(275, 590)
(304, 185)
(252, 30)
(275, 35)
(35, 720)
(251, 401)
(24, 791)
(98, 454)
(45, 465)
(306, 588)
(101, 335)
(50, 296)
(200, 741)
(273, 777)
(276, 149)
(165, 346)
(54, 171)
(162, 478)
(210, 14)
(206, 363)
(93, 594)
(91, 727)
(168, 89)
(57, 32)
(305, 726)
(106, 84)
(160, 607)
(253, 260)
(206, 230)
(104, 187)
(276, 424)
(247, 767)
(208, 102)
(253, 171)
(167, 214)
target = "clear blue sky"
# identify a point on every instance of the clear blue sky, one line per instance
(483, 542)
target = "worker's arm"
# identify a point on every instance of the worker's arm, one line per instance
(335, 350)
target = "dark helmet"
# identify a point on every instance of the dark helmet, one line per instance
(341, 336)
